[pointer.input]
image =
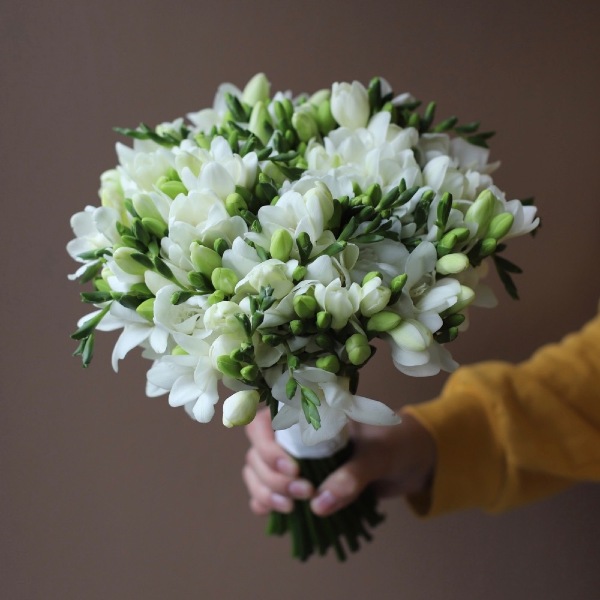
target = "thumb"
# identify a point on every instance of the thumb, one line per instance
(342, 487)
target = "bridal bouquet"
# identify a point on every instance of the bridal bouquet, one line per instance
(261, 245)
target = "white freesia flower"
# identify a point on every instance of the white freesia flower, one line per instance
(190, 380)
(337, 406)
(271, 273)
(136, 332)
(341, 302)
(240, 408)
(350, 104)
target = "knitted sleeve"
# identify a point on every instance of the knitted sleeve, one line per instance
(509, 434)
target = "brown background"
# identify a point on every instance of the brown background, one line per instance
(108, 494)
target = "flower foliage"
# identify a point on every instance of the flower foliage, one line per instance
(266, 241)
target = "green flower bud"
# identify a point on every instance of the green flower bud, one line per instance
(384, 321)
(500, 225)
(281, 244)
(216, 297)
(329, 363)
(271, 339)
(481, 211)
(204, 259)
(397, 284)
(228, 366)
(358, 349)
(240, 408)
(371, 275)
(323, 320)
(305, 125)
(297, 327)
(299, 273)
(374, 193)
(235, 204)
(155, 227)
(320, 96)
(256, 90)
(305, 306)
(146, 309)
(488, 246)
(260, 124)
(220, 246)
(452, 263)
(249, 372)
(225, 280)
(325, 119)
(172, 188)
(123, 257)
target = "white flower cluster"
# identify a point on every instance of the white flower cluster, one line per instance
(266, 242)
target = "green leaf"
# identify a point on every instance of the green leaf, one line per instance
(96, 297)
(367, 238)
(88, 327)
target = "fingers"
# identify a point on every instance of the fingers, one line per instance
(342, 487)
(270, 474)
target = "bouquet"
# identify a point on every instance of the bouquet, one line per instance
(262, 244)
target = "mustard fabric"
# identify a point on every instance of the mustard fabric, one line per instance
(509, 434)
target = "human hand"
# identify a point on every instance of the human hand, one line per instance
(396, 460)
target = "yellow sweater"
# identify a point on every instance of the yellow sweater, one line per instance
(508, 434)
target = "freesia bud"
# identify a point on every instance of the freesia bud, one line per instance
(465, 297)
(216, 297)
(240, 408)
(488, 246)
(500, 225)
(224, 280)
(305, 306)
(397, 284)
(172, 188)
(329, 363)
(358, 349)
(281, 245)
(146, 309)
(297, 327)
(228, 366)
(324, 341)
(385, 320)
(235, 204)
(481, 211)
(305, 124)
(412, 335)
(204, 259)
(371, 275)
(325, 119)
(249, 372)
(374, 297)
(256, 90)
(452, 263)
(156, 227)
(323, 320)
(299, 273)
(123, 257)
(220, 246)
(350, 104)
(259, 122)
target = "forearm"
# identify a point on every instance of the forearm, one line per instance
(510, 434)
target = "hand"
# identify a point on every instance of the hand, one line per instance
(397, 460)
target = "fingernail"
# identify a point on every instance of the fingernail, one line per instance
(300, 489)
(323, 502)
(281, 503)
(286, 466)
